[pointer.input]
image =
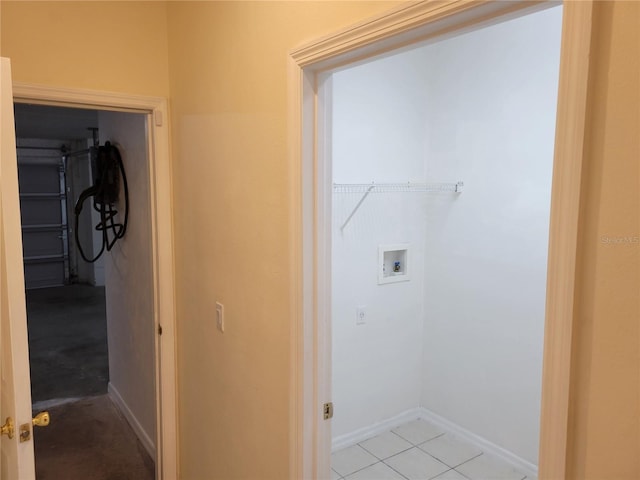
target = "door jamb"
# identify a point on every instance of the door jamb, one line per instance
(407, 24)
(159, 171)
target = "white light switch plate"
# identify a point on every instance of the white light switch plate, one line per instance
(220, 316)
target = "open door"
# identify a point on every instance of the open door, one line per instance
(16, 445)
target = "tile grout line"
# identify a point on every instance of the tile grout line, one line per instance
(420, 450)
(413, 445)
(366, 466)
(455, 466)
(462, 474)
(481, 454)
(395, 470)
(419, 445)
(467, 461)
(385, 458)
(472, 458)
(416, 444)
(442, 473)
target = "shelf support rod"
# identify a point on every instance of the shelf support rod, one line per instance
(366, 194)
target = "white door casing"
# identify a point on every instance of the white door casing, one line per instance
(161, 249)
(15, 390)
(311, 209)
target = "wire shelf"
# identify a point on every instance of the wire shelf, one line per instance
(397, 187)
(367, 188)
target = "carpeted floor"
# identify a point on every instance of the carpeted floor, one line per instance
(88, 439)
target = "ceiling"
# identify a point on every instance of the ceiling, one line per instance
(54, 123)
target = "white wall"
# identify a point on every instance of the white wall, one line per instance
(493, 96)
(378, 116)
(129, 284)
(377, 135)
(479, 108)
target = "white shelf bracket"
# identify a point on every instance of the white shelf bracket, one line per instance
(366, 194)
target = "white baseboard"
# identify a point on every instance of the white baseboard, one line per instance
(482, 443)
(142, 435)
(362, 434)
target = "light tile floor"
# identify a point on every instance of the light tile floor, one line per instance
(418, 451)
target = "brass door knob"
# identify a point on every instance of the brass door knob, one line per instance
(42, 419)
(7, 428)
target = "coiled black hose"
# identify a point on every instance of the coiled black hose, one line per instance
(105, 194)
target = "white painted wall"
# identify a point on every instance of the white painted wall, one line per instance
(379, 115)
(377, 135)
(494, 96)
(128, 278)
(479, 108)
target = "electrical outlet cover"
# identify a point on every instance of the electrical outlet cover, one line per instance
(361, 315)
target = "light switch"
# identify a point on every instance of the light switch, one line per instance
(220, 316)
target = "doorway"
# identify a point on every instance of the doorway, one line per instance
(158, 175)
(89, 285)
(441, 158)
(407, 25)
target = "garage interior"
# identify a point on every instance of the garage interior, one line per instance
(91, 435)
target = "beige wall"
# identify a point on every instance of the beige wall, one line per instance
(605, 419)
(227, 63)
(229, 103)
(113, 46)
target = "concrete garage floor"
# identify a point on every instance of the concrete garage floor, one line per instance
(88, 438)
(67, 342)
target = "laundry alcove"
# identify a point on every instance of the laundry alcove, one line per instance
(460, 341)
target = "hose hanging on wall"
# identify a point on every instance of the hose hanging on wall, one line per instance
(106, 163)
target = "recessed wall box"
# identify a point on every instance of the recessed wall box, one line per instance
(393, 263)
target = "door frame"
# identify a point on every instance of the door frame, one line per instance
(310, 202)
(159, 173)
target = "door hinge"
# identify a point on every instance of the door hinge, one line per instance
(159, 329)
(327, 410)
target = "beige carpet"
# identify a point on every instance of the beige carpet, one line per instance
(89, 439)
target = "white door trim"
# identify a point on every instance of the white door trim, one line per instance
(162, 244)
(410, 23)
